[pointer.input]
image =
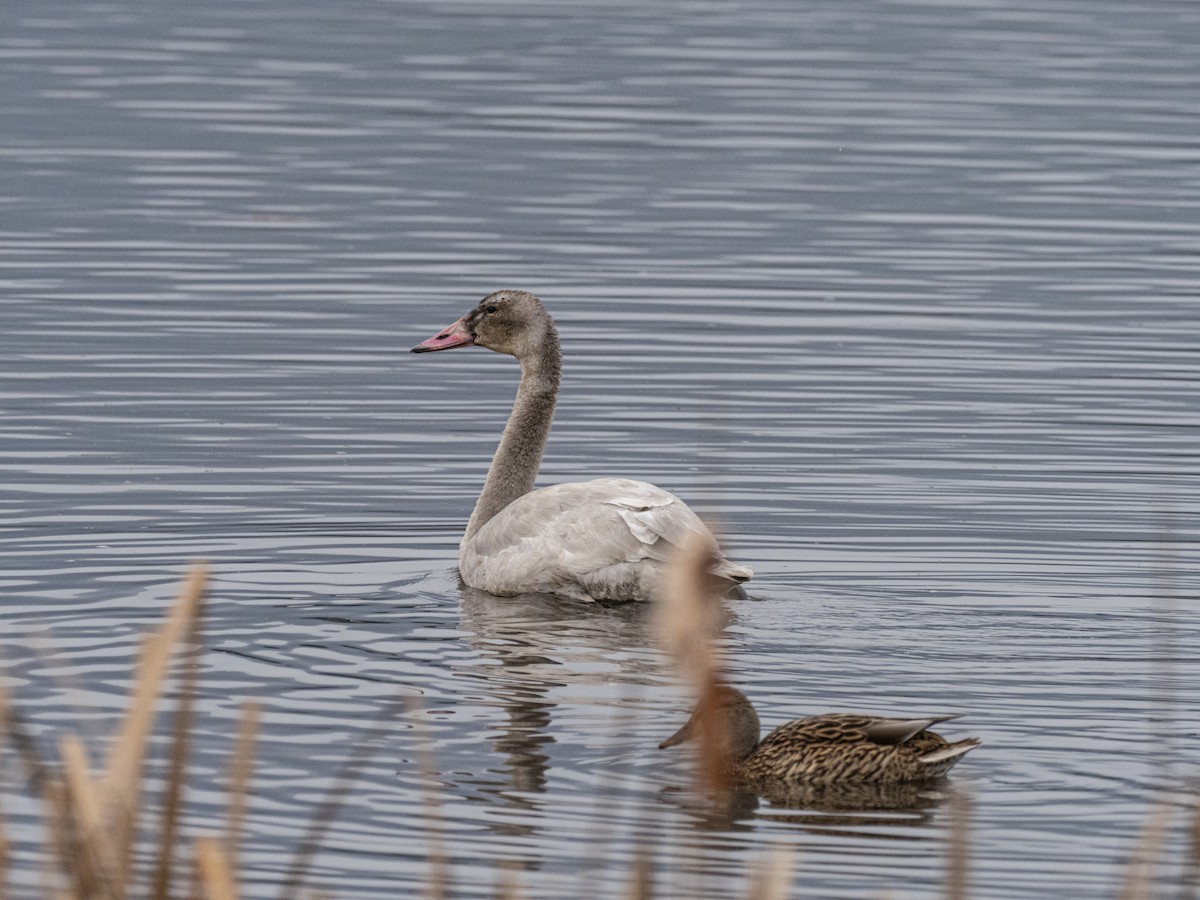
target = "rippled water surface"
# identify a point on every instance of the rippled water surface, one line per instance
(903, 294)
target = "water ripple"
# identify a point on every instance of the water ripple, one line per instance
(901, 296)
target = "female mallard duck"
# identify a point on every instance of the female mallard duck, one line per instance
(832, 749)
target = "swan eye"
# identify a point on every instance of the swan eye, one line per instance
(489, 309)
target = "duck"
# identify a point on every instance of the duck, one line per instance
(607, 539)
(828, 750)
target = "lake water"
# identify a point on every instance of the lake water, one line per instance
(902, 294)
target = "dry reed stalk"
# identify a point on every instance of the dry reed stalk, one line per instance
(124, 815)
(126, 758)
(3, 859)
(1138, 883)
(81, 789)
(76, 824)
(40, 778)
(641, 885)
(240, 769)
(773, 880)
(214, 869)
(646, 828)
(128, 751)
(691, 616)
(600, 833)
(508, 886)
(83, 826)
(1190, 887)
(54, 803)
(327, 809)
(691, 620)
(958, 846)
(439, 866)
(91, 820)
(180, 745)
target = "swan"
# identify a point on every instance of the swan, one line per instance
(824, 750)
(606, 539)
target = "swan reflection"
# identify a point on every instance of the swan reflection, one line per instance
(535, 644)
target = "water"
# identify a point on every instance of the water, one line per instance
(903, 294)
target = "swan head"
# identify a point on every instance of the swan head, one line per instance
(512, 322)
(723, 720)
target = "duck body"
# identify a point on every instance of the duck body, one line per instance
(843, 748)
(605, 539)
(824, 750)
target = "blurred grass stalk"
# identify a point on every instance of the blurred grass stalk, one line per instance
(690, 625)
(93, 818)
(1144, 877)
(691, 622)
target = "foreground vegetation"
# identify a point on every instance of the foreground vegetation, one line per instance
(104, 841)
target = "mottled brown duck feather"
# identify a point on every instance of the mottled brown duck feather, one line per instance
(830, 749)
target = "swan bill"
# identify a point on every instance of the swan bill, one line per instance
(456, 335)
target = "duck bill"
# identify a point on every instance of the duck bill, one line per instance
(679, 737)
(457, 335)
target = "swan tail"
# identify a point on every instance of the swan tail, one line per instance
(732, 571)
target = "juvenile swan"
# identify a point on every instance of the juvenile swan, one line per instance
(826, 750)
(607, 539)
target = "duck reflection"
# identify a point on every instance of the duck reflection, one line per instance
(877, 811)
(860, 810)
(827, 800)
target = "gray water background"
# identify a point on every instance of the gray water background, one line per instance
(903, 295)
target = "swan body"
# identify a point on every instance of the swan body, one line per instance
(606, 539)
(822, 751)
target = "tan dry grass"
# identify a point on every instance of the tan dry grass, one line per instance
(958, 847)
(93, 819)
(1138, 883)
(772, 879)
(691, 623)
(1191, 869)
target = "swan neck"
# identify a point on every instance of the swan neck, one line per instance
(515, 465)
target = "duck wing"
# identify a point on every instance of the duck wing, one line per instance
(852, 728)
(898, 731)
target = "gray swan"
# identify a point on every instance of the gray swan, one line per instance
(606, 539)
